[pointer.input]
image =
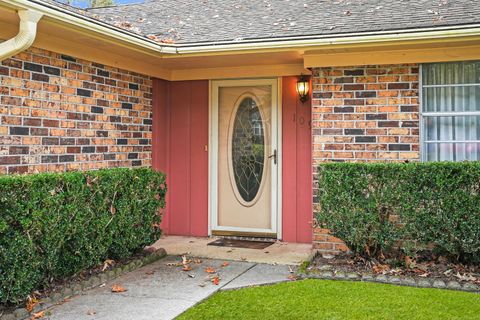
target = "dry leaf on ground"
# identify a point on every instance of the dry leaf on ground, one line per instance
(38, 315)
(91, 312)
(225, 264)
(216, 280)
(116, 288)
(409, 262)
(292, 277)
(465, 277)
(210, 270)
(107, 263)
(381, 268)
(186, 268)
(31, 303)
(424, 275)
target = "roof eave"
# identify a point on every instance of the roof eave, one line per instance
(82, 21)
(321, 41)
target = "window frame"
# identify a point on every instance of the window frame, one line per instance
(423, 115)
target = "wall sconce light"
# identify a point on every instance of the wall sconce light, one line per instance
(303, 87)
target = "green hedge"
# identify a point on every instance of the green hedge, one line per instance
(55, 225)
(376, 207)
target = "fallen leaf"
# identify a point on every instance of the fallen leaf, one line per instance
(186, 268)
(396, 271)
(465, 277)
(210, 270)
(216, 280)
(197, 261)
(91, 312)
(107, 263)
(381, 268)
(409, 262)
(168, 40)
(150, 272)
(225, 264)
(424, 275)
(292, 277)
(118, 288)
(31, 303)
(38, 315)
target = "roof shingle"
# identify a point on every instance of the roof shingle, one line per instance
(192, 21)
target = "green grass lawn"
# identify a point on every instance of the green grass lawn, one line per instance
(322, 299)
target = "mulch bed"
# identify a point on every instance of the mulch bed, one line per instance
(428, 267)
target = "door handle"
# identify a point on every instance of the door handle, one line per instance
(274, 156)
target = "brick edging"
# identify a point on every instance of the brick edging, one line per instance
(78, 287)
(386, 279)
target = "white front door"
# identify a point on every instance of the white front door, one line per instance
(244, 157)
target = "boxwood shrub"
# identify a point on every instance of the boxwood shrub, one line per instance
(55, 225)
(378, 207)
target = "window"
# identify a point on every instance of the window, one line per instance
(451, 111)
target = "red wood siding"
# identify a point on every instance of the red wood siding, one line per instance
(180, 134)
(297, 165)
(180, 117)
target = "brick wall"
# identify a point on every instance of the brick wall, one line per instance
(60, 113)
(367, 113)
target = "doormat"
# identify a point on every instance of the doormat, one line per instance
(235, 243)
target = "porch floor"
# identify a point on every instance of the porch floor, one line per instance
(277, 253)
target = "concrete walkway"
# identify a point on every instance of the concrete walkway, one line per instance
(162, 290)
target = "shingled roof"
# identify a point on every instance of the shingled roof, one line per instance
(191, 21)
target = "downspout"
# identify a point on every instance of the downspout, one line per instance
(26, 34)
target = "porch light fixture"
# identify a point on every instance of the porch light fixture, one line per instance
(303, 86)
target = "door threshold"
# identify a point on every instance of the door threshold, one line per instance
(244, 238)
(243, 235)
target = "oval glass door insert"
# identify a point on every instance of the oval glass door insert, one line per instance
(248, 149)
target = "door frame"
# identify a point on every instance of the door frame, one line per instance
(276, 192)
